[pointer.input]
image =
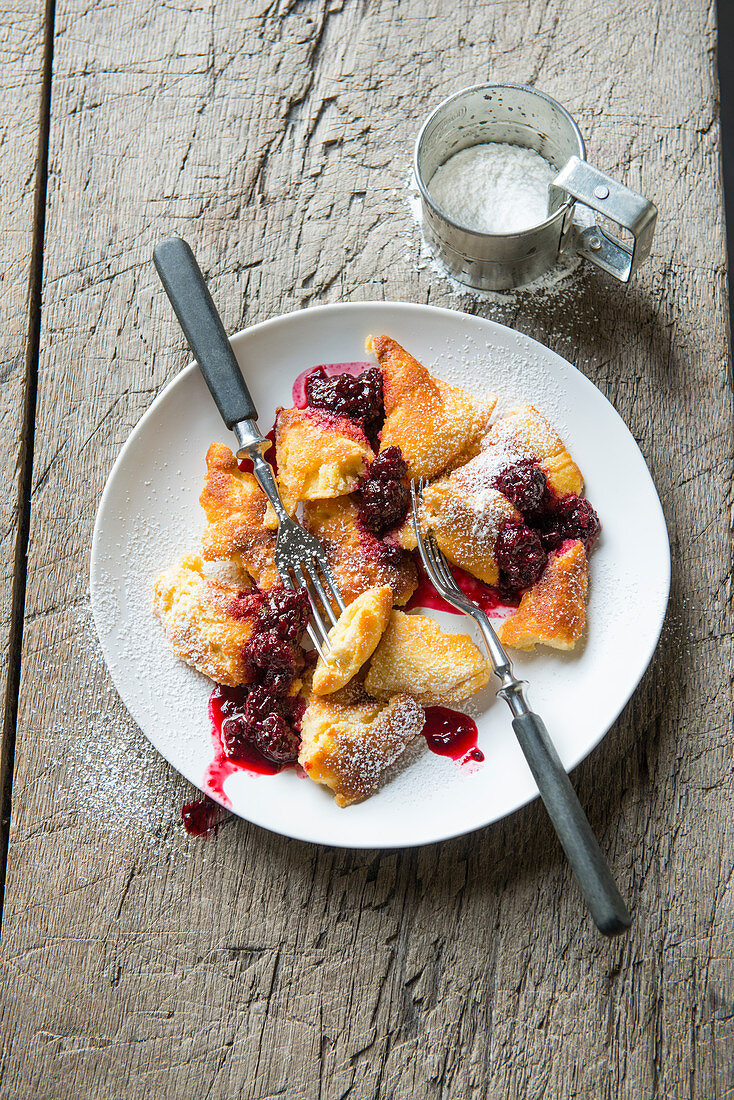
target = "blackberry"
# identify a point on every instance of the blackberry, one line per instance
(523, 484)
(384, 495)
(572, 517)
(520, 555)
(358, 397)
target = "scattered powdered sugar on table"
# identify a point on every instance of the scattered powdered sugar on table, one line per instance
(494, 187)
(114, 773)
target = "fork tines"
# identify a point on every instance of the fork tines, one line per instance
(439, 572)
(318, 595)
(434, 562)
(322, 595)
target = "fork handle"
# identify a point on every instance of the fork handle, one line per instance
(184, 284)
(571, 824)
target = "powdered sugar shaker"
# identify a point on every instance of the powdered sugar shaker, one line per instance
(521, 115)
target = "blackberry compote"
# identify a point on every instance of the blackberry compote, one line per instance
(520, 556)
(523, 484)
(285, 611)
(569, 517)
(358, 397)
(269, 733)
(265, 719)
(202, 817)
(384, 494)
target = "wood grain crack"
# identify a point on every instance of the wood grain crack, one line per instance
(25, 478)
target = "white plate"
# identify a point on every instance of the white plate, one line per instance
(149, 516)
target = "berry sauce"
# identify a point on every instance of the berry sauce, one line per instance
(524, 484)
(249, 758)
(356, 398)
(489, 599)
(219, 772)
(565, 518)
(300, 400)
(256, 726)
(202, 817)
(224, 704)
(520, 555)
(453, 734)
(384, 494)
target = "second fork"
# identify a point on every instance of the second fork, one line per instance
(564, 809)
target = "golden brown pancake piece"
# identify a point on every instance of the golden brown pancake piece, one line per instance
(236, 508)
(431, 421)
(201, 621)
(466, 524)
(353, 640)
(318, 455)
(357, 559)
(553, 611)
(528, 434)
(349, 739)
(416, 657)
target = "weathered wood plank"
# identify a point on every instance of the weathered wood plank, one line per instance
(137, 962)
(21, 201)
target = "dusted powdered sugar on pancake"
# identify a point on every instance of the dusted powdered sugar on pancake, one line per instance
(349, 739)
(466, 521)
(476, 481)
(486, 511)
(435, 425)
(526, 430)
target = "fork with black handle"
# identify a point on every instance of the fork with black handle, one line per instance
(299, 556)
(564, 809)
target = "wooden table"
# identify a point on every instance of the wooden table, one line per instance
(276, 136)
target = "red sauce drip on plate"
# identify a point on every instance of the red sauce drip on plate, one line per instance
(218, 771)
(299, 386)
(485, 597)
(245, 464)
(202, 817)
(450, 733)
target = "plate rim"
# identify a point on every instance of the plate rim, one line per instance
(414, 307)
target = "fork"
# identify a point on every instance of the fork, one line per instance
(564, 809)
(299, 556)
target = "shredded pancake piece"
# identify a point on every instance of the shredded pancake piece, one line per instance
(553, 611)
(466, 524)
(526, 433)
(237, 513)
(349, 739)
(319, 455)
(353, 640)
(204, 622)
(358, 560)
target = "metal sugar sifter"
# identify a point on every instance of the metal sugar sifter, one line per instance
(520, 115)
